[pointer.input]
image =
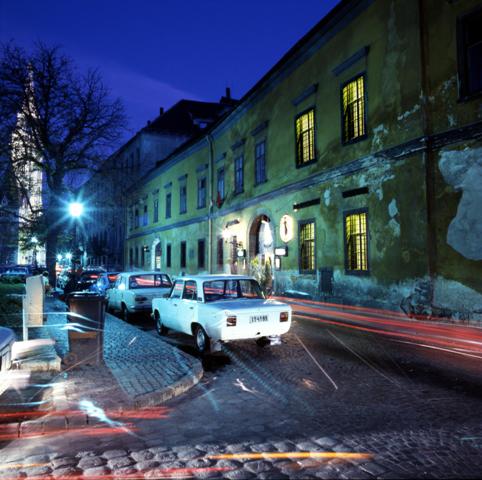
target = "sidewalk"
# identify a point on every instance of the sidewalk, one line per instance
(138, 370)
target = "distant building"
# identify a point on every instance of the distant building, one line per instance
(104, 231)
(351, 172)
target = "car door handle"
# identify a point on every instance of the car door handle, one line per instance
(191, 308)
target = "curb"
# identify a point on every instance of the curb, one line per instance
(172, 391)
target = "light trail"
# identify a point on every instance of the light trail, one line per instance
(364, 360)
(316, 363)
(291, 455)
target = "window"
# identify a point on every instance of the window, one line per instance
(149, 281)
(168, 204)
(469, 39)
(143, 255)
(136, 218)
(220, 186)
(220, 255)
(354, 113)
(201, 192)
(131, 257)
(168, 255)
(239, 174)
(201, 253)
(190, 290)
(356, 242)
(183, 255)
(305, 138)
(182, 198)
(145, 218)
(260, 162)
(155, 210)
(176, 291)
(137, 257)
(307, 247)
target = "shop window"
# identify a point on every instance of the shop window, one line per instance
(307, 246)
(239, 174)
(354, 109)
(183, 255)
(220, 253)
(356, 241)
(201, 253)
(260, 162)
(305, 138)
(469, 39)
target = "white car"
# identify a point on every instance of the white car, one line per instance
(221, 308)
(133, 292)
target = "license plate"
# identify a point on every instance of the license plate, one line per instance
(258, 318)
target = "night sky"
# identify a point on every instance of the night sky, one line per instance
(152, 53)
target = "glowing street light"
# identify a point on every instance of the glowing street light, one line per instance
(59, 257)
(76, 209)
(68, 256)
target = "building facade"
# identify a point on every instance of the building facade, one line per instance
(350, 172)
(101, 238)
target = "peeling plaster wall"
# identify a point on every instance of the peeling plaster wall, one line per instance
(462, 169)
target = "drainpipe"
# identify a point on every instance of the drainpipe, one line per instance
(427, 153)
(210, 141)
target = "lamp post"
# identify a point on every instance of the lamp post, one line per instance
(76, 210)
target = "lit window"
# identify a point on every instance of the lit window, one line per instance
(239, 174)
(260, 162)
(305, 138)
(356, 242)
(353, 97)
(469, 36)
(307, 247)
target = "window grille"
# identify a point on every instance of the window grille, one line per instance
(307, 247)
(305, 138)
(356, 242)
(353, 95)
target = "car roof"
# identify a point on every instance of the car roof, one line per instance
(147, 272)
(220, 276)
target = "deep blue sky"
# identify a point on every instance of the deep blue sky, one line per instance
(152, 53)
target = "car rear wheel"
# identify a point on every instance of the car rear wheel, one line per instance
(126, 315)
(262, 342)
(160, 327)
(201, 339)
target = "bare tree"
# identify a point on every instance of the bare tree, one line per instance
(57, 122)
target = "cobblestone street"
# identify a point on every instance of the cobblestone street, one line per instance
(359, 409)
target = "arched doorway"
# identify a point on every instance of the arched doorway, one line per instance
(156, 255)
(261, 250)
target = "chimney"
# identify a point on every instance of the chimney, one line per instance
(161, 111)
(228, 93)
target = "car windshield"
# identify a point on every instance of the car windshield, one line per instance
(151, 280)
(232, 289)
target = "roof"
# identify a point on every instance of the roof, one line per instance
(218, 276)
(186, 117)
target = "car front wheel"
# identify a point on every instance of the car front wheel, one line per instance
(160, 327)
(126, 316)
(201, 339)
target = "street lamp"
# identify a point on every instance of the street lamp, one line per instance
(76, 209)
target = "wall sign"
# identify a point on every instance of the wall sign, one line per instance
(281, 251)
(286, 228)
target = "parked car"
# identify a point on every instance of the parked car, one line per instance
(88, 279)
(221, 308)
(21, 272)
(133, 292)
(105, 281)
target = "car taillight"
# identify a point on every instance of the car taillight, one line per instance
(231, 321)
(141, 299)
(283, 316)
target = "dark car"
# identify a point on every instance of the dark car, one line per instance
(106, 280)
(88, 279)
